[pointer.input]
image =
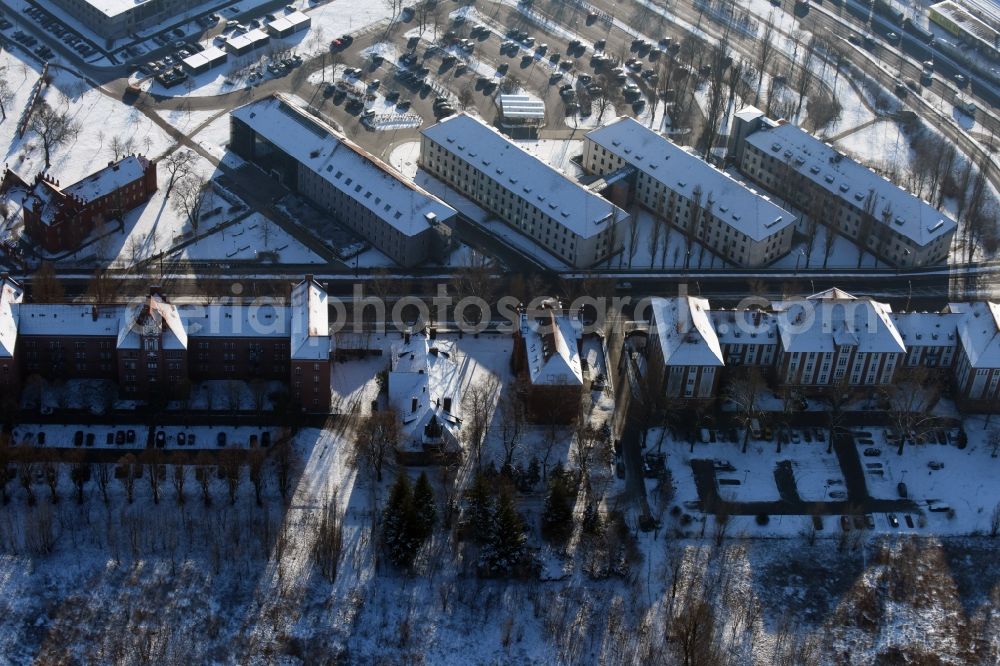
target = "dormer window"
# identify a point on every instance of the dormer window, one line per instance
(152, 344)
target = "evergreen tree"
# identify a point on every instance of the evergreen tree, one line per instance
(424, 507)
(399, 523)
(504, 550)
(557, 518)
(481, 508)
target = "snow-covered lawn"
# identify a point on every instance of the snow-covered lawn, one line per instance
(255, 238)
(881, 145)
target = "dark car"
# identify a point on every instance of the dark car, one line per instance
(220, 439)
(845, 523)
(90, 439)
(78, 438)
(110, 439)
(181, 439)
(191, 439)
(41, 439)
(130, 436)
(872, 452)
(161, 439)
(901, 490)
(265, 439)
(120, 437)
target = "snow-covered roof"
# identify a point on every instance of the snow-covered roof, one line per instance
(295, 20)
(235, 321)
(521, 106)
(685, 332)
(11, 295)
(927, 329)
(424, 375)
(979, 331)
(150, 317)
(551, 348)
(68, 319)
(832, 319)
(211, 55)
(661, 159)
(581, 211)
(310, 325)
(109, 179)
(252, 39)
(112, 8)
(284, 121)
(841, 176)
(744, 327)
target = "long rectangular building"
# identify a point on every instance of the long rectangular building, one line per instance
(897, 227)
(313, 159)
(730, 219)
(573, 223)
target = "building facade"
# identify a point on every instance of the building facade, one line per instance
(311, 158)
(834, 190)
(683, 350)
(546, 359)
(112, 19)
(154, 349)
(60, 218)
(576, 225)
(722, 214)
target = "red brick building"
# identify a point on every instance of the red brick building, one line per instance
(60, 218)
(154, 349)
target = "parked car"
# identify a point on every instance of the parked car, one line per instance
(130, 436)
(191, 439)
(90, 439)
(936, 464)
(265, 439)
(901, 490)
(872, 452)
(220, 439)
(891, 517)
(845, 523)
(161, 439)
(181, 439)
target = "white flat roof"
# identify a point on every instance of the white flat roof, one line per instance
(210, 56)
(841, 176)
(112, 8)
(284, 121)
(521, 106)
(678, 170)
(586, 214)
(295, 20)
(253, 38)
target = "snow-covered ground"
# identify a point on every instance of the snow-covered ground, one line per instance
(881, 145)
(256, 239)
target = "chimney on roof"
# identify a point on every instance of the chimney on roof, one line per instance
(309, 277)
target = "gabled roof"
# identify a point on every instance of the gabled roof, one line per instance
(149, 318)
(979, 331)
(834, 318)
(550, 346)
(310, 331)
(11, 295)
(685, 332)
(730, 201)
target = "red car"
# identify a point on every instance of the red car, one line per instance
(337, 44)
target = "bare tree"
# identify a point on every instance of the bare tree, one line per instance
(46, 286)
(477, 405)
(256, 468)
(128, 473)
(121, 147)
(154, 466)
(229, 464)
(54, 128)
(103, 475)
(913, 394)
(745, 390)
(50, 472)
(285, 462)
(511, 417)
(6, 94)
(376, 437)
(190, 193)
(178, 165)
(26, 477)
(203, 474)
(327, 547)
(763, 54)
(178, 479)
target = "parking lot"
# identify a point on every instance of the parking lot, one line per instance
(137, 437)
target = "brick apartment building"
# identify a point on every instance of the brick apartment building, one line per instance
(155, 349)
(547, 361)
(59, 218)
